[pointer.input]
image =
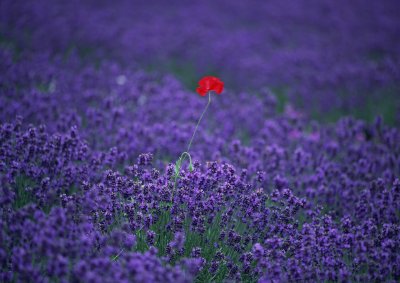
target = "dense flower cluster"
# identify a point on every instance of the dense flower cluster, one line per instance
(87, 145)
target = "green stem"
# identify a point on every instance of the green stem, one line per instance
(183, 155)
(178, 164)
(198, 122)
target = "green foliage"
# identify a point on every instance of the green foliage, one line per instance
(280, 93)
(23, 192)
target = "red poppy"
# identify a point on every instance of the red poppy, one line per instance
(210, 83)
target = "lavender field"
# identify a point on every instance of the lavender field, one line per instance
(292, 174)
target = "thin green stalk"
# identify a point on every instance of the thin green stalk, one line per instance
(178, 164)
(198, 122)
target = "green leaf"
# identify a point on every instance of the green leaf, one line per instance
(177, 167)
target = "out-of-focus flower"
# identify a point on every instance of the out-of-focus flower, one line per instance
(210, 83)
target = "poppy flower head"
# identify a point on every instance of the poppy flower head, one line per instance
(210, 83)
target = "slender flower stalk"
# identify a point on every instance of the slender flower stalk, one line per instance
(198, 122)
(207, 85)
(186, 153)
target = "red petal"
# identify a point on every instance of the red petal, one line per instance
(207, 83)
(219, 87)
(210, 83)
(201, 91)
